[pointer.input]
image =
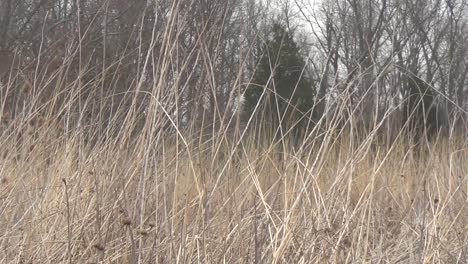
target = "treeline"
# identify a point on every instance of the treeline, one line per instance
(404, 62)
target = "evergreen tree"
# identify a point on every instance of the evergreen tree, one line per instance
(280, 70)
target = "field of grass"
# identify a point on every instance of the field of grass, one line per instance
(122, 138)
(156, 198)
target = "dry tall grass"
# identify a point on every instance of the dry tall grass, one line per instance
(74, 190)
(147, 200)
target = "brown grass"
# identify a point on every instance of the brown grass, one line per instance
(141, 194)
(65, 200)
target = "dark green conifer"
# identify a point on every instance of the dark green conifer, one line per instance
(280, 71)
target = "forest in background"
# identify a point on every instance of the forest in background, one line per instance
(378, 59)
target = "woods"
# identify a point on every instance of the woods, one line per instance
(366, 53)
